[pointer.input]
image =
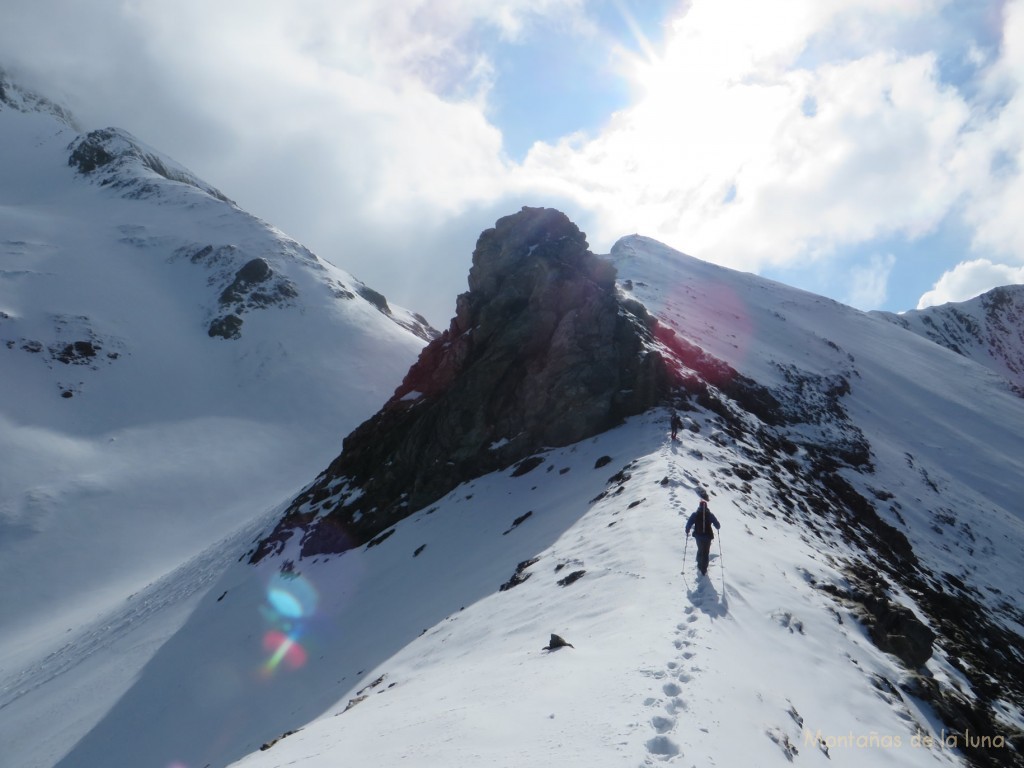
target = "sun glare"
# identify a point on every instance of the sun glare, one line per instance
(291, 603)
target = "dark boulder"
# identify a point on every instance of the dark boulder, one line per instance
(556, 642)
(251, 274)
(892, 627)
(896, 630)
(227, 327)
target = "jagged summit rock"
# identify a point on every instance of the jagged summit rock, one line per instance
(543, 351)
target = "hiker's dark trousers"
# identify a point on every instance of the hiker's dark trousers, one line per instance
(703, 551)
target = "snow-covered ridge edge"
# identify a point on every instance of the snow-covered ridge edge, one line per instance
(822, 475)
(590, 585)
(113, 157)
(14, 96)
(988, 329)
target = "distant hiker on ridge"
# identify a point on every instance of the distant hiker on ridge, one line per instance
(701, 522)
(676, 423)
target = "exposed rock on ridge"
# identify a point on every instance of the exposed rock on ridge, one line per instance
(541, 352)
(115, 158)
(986, 329)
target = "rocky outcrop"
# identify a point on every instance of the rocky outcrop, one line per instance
(542, 352)
(115, 158)
(986, 329)
(415, 322)
(70, 340)
(255, 286)
(892, 627)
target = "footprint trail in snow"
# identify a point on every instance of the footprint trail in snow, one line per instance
(669, 701)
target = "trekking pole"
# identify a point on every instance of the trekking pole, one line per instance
(721, 561)
(687, 544)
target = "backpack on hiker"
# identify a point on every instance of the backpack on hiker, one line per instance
(704, 521)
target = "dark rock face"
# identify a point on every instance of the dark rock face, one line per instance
(899, 632)
(892, 627)
(254, 286)
(114, 157)
(374, 297)
(541, 353)
(227, 327)
(89, 155)
(252, 273)
(78, 352)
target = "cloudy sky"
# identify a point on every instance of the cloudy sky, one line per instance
(867, 150)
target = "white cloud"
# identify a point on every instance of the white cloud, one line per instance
(359, 127)
(969, 279)
(738, 153)
(868, 282)
(997, 149)
(763, 133)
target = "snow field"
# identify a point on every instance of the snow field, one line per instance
(665, 668)
(170, 439)
(178, 433)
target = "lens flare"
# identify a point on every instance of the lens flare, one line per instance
(292, 596)
(284, 603)
(284, 649)
(291, 601)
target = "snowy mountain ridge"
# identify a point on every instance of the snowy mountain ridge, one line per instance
(866, 479)
(118, 159)
(989, 329)
(864, 604)
(14, 96)
(169, 366)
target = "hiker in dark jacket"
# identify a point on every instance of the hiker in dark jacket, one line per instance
(676, 424)
(701, 521)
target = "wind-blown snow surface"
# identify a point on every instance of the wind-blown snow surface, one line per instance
(406, 651)
(130, 438)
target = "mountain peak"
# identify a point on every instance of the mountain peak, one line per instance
(115, 158)
(986, 329)
(17, 97)
(545, 234)
(543, 351)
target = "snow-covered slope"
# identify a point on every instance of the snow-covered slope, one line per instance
(988, 329)
(868, 485)
(170, 368)
(410, 652)
(914, 404)
(752, 666)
